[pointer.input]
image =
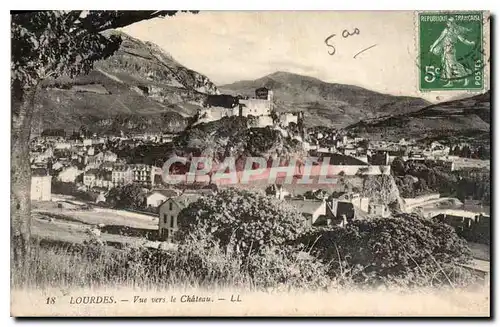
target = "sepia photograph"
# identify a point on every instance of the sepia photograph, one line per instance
(250, 163)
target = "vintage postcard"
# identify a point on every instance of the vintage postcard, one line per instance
(250, 163)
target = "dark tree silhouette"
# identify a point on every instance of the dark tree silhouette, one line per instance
(49, 44)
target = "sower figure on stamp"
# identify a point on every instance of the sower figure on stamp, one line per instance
(444, 46)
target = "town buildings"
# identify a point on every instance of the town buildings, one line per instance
(100, 158)
(472, 226)
(314, 211)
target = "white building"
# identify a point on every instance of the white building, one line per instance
(89, 177)
(122, 175)
(379, 210)
(168, 214)
(41, 187)
(68, 174)
(157, 197)
(143, 174)
(62, 145)
(312, 210)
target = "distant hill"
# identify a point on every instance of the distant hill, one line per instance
(463, 116)
(336, 105)
(141, 84)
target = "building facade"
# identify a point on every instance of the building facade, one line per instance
(68, 174)
(143, 174)
(169, 212)
(41, 188)
(122, 175)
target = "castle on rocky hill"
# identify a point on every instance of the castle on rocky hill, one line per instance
(261, 106)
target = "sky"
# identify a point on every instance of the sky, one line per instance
(229, 46)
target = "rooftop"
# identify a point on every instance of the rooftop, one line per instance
(165, 192)
(183, 200)
(39, 172)
(458, 213)
(307, 206)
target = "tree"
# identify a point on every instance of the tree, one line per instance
(363, 144)
(398, 166)
(316, 194)
(240, 220)
(483, 153)
(381, 188)
(466, 152)
(50, 44)
(403, 247)
(127, 196)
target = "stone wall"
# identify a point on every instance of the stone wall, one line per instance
(255, 107)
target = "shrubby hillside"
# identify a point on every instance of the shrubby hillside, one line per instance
(453, 118)
(141, 86)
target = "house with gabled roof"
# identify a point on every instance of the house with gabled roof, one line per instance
(169, 212)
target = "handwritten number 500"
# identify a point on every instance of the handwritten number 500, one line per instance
(345, 34)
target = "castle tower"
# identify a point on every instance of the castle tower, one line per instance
(270, 98)
(270, 95)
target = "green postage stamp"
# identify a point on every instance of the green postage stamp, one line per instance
(451, 51)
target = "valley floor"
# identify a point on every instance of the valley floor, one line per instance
(71, 225)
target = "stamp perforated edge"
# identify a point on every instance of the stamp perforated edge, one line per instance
(485, 43)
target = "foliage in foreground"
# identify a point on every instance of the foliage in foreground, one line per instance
(406, 248)
(247, 240)
(245, 221)
(191, 266)
(194, 266)
(127, 196)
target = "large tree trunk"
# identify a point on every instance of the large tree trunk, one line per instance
(20, 202)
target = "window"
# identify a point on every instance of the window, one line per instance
(171, 221)
(165, 219)
(170, 206)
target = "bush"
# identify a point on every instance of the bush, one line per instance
(127, 196)
(286, 267)
(405, 247)
(209, 263)
(240, 220)
(66, 188)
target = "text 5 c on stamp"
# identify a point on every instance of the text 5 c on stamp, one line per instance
(451, 51)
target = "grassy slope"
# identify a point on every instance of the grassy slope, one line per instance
(139, 80)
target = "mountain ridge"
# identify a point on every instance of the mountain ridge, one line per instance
(142, 88)
(463, 116)
(339, 105)
(139, 83)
